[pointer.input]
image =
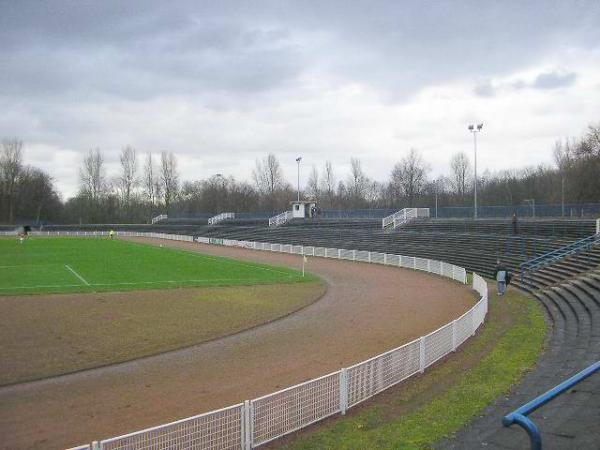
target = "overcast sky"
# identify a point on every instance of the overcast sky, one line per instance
(222, 83)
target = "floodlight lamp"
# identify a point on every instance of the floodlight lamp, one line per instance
(299, 159)
(479, 126)
(471, 127)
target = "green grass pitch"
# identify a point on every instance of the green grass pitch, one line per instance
(63, 265)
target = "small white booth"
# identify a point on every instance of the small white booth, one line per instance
(303, 209)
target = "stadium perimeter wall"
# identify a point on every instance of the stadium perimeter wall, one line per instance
(255, 422)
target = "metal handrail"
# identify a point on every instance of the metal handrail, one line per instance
(221, 217)
(159, 218)
(280, 219)
(560, 253)
(404, 216)
(519, 416)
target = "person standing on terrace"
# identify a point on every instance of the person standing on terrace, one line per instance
(501, 276)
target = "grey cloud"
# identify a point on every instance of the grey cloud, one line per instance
(77, 74)
(485, 89)
(554, 80)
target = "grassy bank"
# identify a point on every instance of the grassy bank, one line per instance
(416, 414)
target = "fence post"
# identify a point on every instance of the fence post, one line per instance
(473, 322)
(385, 258)
(339, 253)
(343, 390)
(369, 256)
(429, 266)
(454, 335)
(422, 354)
(96, 445)
(247, 426)
(353, 255)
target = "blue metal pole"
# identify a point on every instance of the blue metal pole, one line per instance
(519, 415)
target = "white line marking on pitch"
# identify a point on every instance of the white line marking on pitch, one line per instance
(209, 280)
(77, 275)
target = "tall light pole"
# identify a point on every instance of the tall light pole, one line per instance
(475, 129)
(298, 159)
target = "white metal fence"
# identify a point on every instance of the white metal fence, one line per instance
(404, 216)
(221, 217)
(256, 422)
(280, 219)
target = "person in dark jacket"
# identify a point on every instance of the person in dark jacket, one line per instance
(502, 277)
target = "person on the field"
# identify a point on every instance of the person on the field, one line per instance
(515, 229)
(111, 234)
(502, 277)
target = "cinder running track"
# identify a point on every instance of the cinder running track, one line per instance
(367, 309)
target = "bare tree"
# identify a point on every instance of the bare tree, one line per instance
(409, 176)
(169, 177)
(357, 183)
(11, 168)
(268, 177)
(128, 179)
(312, 186)
(149, 181)
(92, 175)
(461, 172)
(329, 183)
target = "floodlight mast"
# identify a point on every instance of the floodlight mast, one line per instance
(475, 129)
(298, 159)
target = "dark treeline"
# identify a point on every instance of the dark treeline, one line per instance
(147, 185)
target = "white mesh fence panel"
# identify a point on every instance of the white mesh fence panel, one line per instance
(362, 255)
(438, 344)
(296, 407)
(421, 264)
(480, 285)
(214, 430)
(347, 254)
(319, 251)
(447, 270)
(378, 258)
(393, 260)
(297, 249)
(464, 327)
(309, 251)
(435, 267)
(370, 377)
(408, 262)
(331, 252)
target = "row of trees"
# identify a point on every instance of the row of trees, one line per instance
(151, 185)
(24, 190)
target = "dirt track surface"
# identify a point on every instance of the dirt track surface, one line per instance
(367, 309)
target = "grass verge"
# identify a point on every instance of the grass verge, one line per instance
(422, 411)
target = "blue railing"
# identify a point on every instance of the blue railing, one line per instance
(555, 255)
(519, 416)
